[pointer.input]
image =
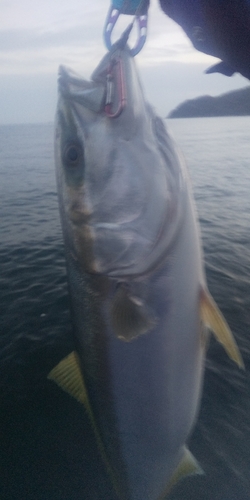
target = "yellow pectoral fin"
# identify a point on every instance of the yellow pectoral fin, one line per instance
(67, 375)
(188, 466)
(212, 317)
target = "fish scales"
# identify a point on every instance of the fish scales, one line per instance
(136, 278)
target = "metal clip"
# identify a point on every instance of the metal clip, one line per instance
(115, 80)
(109, 92)
(111, 20)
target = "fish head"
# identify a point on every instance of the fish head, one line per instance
(119, 177)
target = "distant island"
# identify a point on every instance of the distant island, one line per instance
(235, 103)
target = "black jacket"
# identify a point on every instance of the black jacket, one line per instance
(220, 28)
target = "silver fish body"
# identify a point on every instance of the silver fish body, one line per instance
(135, 273)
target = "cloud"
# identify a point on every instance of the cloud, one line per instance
(29, 51)
(26, 39)
(48, 14)
(28, 27)
(54, 32)
(36, 37)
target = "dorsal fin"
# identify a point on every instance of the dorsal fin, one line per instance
(212, 317)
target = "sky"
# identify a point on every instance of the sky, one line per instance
(36, 36)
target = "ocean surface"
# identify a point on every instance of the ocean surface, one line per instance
(47, 448)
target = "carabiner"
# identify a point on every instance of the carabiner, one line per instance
(142, 21)
(115, 80)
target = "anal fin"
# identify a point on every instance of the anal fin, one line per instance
(212, 317)
(67, 375)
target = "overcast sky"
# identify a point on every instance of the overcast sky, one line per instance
(38, 35)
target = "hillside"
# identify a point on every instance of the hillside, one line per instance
(235, 103)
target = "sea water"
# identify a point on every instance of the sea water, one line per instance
(47, 447)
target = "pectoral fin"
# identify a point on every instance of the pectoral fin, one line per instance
(188, 466)
(212, 317)
(67, 375)
(129, 317)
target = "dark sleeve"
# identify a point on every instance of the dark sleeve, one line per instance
(220, 28)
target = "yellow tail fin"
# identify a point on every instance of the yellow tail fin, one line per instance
(188, 466)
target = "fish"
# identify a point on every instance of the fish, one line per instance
(141, 309)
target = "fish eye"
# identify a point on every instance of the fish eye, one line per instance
(72, 154)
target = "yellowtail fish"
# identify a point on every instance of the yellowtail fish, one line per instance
(140, 303)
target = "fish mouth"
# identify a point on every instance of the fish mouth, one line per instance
(87, 93)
